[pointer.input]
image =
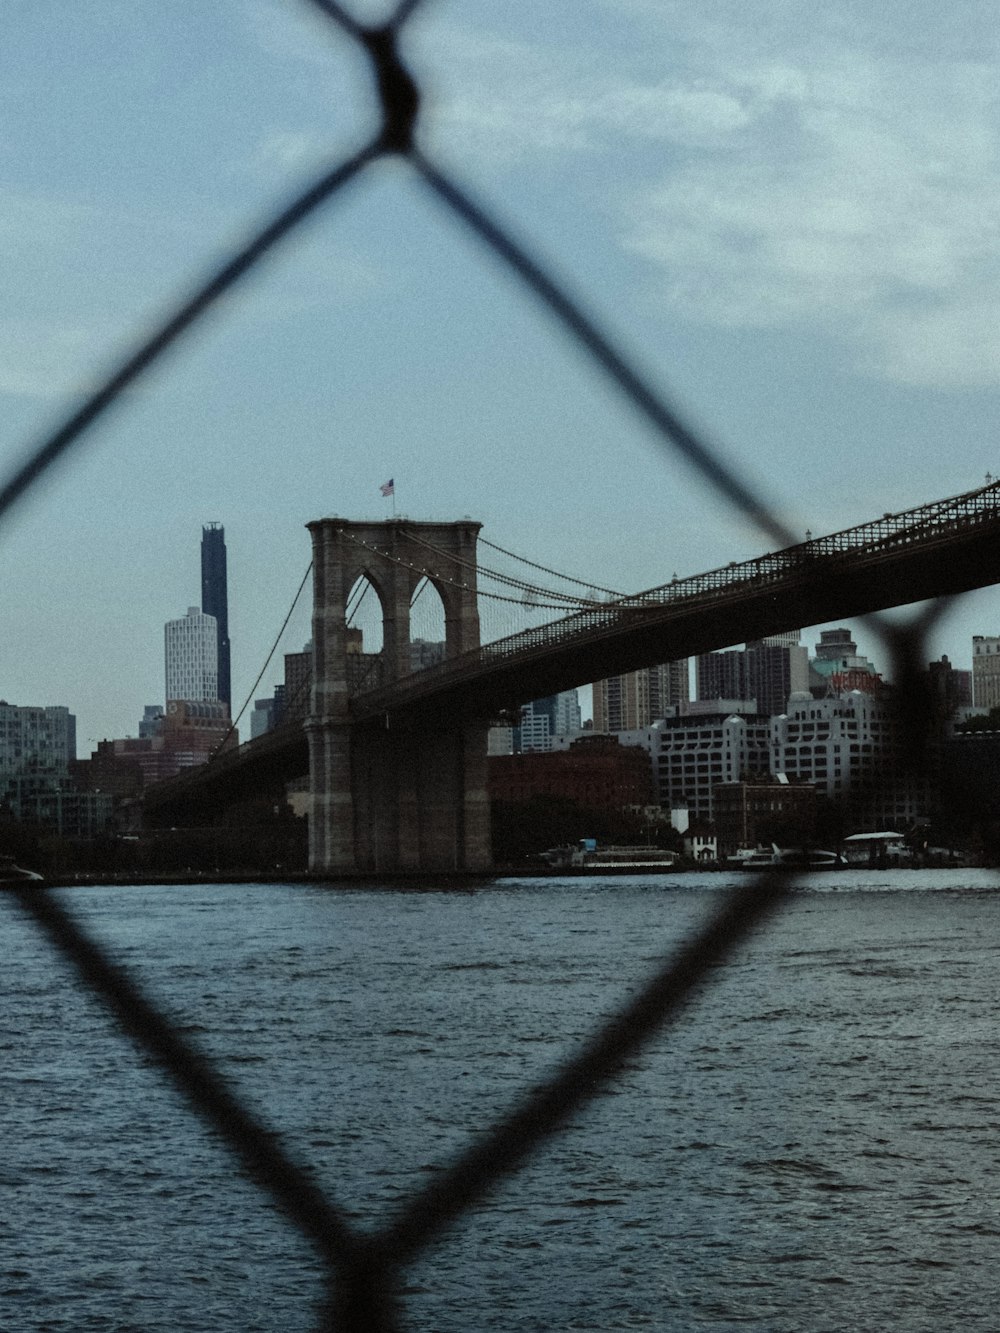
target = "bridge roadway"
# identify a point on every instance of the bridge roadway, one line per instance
(941, 549)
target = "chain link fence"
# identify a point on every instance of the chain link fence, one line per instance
(364, 1271)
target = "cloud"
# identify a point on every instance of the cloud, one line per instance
(291, 148)
(956, 345)
(855, 203)
(836, 170)
(515, 102)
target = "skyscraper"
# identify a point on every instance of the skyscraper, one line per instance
(767, 670)
(191, 651)
(215, 601)
(775, 671)
(637, 698)
(543, 719)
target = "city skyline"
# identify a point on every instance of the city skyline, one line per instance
(779, 214)
(809, 637)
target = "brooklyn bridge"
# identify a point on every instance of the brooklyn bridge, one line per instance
(396, 757)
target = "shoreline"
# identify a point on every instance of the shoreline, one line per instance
(387, 878)
(433, 880)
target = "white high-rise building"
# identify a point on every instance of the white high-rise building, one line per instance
(985, 671)
(699, 745)
(192, 657)
(848, 744)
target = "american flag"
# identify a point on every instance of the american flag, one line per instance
(388, 487)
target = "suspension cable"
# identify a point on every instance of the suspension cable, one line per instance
(482, 592)
(567, 578)
(274, 648)
(509, 579)
(541, 595)
(353, 611)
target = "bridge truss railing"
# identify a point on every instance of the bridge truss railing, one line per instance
(923, 526)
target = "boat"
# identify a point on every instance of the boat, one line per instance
(809, 858)
(11, 873)
(788, 858)
(586, 856)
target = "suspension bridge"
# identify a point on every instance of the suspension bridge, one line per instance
(397, 757)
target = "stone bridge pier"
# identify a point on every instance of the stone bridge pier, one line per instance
(387, 794)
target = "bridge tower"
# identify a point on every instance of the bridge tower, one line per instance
(389, 794)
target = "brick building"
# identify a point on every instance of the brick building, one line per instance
(744, 810)
(191, 732)
(595, 772)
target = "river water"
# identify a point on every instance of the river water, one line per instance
(814, 1145)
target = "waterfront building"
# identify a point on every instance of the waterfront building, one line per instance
(56, 804)
(747, 813)
(702, 744)
(638, 698)
(835, 644)
(114, 771)
(36, 740)
(595, 772)
(701, 842)
(985, 672)
(128, 764)
(37, 757)
(215, 603)
(191, 650)
(848, 746)
(969, 783)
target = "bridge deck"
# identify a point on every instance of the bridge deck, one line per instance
(936, 550)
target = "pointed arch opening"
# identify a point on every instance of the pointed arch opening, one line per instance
(365, 617)
(427, 626)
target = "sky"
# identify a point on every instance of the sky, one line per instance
(786, 213)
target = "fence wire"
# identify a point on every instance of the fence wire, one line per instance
(363, 1270)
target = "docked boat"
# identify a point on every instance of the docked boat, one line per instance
(788, 858)
(10, 873)
(586, 856)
